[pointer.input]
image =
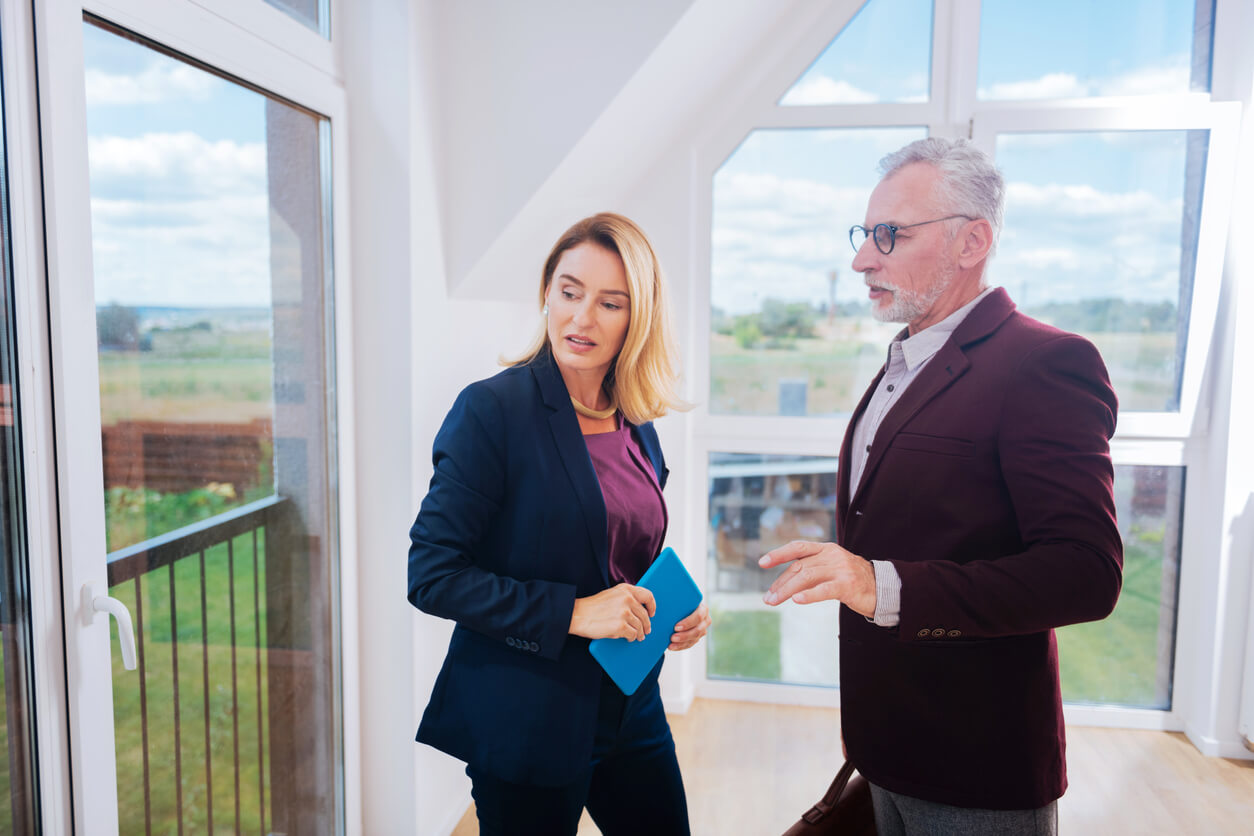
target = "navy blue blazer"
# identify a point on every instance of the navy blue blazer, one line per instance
(511, 532)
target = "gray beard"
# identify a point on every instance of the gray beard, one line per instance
(910, 305)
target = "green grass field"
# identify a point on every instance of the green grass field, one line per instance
(743, 644)
(137, 386)
(840, 362)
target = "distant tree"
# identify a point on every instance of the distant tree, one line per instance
(746, 331)
(1110, 315)
(117, 326)
(787, 319)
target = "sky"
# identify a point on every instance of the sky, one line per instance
(1088, 215)
(179, 193)
(180, 205)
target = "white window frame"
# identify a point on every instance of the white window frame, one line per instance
(261, 46)
(953, 110)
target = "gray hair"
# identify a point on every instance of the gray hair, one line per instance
(970, 183)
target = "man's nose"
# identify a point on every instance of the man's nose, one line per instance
(864, 259)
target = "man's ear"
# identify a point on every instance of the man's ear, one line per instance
(974, 243)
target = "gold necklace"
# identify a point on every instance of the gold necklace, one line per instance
(595, 414)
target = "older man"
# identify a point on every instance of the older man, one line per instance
(974, 515)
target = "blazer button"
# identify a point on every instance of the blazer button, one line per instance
(937, 633)
(535, 647)
(924, 633)
(511, 641)
(953, 634)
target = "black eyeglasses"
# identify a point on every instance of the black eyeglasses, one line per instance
(885, 235)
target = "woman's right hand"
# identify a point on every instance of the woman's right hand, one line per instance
(620, 612)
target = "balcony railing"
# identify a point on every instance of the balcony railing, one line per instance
(204, 726)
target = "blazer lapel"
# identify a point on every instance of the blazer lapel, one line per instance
(568, 439)
(946, 366)
(844, 491)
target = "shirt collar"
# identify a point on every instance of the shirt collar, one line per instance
(918, 349)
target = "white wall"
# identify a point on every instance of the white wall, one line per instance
(414, 349)
(520, 84)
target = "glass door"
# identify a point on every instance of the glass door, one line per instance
(191, 310)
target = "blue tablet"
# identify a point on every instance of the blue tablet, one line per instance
(676, 596)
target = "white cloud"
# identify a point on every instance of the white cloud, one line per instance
(780, 237)
(822, 90)
(175, 163)
(1083, 200)
(178, 220)
(162, 81)
(1171, 76)
(1067, 242)
(1049, 86)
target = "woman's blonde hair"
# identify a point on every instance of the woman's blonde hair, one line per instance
(643, 377)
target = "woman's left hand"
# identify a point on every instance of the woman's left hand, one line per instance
(689, 631)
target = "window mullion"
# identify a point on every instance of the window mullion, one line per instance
(955, 64)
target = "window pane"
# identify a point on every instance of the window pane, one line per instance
(1127, 658)
(1101, 239)
(883, 55)
(312, 13)
(208, 204)
(791, 330)
(19, 810)
(1077, 48)
(758, 503)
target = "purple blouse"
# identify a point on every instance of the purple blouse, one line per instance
(634, 508)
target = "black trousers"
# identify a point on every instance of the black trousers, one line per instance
(632, 786)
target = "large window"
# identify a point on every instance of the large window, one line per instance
(1103, 127)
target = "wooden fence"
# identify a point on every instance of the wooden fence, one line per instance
(171, 456)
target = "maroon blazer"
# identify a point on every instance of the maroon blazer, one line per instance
(989, 487)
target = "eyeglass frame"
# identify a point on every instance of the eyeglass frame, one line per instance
(892, 232)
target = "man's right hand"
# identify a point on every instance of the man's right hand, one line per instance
(620, 612)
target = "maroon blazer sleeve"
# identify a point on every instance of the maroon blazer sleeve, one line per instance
(1056, 414)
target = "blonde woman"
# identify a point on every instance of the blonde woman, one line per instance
(544, 510)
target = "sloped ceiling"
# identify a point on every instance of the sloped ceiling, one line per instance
(553, 109)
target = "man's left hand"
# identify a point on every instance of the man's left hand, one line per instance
(821, 572)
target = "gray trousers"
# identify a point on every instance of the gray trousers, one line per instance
(901, 815)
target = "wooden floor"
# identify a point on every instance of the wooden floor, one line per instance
(751, 769)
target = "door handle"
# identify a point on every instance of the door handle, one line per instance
(94, 603)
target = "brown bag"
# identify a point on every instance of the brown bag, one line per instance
(844, 810)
